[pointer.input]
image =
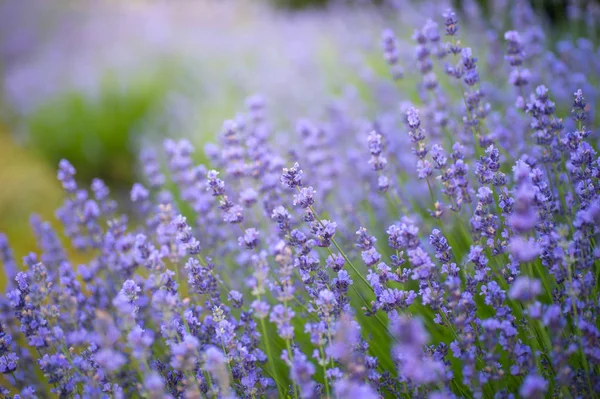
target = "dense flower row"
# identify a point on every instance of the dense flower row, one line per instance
(345, 266)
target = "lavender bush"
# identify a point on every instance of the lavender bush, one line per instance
(341, 264)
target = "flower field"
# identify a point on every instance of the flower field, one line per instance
(431, 232)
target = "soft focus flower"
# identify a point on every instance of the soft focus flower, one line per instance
(401, 260)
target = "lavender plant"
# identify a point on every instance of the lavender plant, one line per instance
(344, 266)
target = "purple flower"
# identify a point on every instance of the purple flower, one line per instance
(524, 250)
(421, 263)
(335, 262)
(216, 185)
(390, 47)
(140, 341)
(301, 372)
(533, 387)
(138, 193)
(392, 298)
(348, 389)
(260, 308)
(346, 339)
(256, 106)
(107, 358)
(184, 355)
(154, 384)
(364, 241)
(151, 167)
(371, 256)
(305, 197)
(404, 236)
(440, 160)
(424, 169)
(66, 175)
(413, 121)
(145, 309)
(324, 231)
(524, 217)
(471, 76)
(430, 30)
(236, 298)
(282, 217)
(451, 23)
(326, 301)
(282, 316)
(248, 197)
(413, 363)
(8, 363)
(525, 289)
(383, 183)
(579, 110)
(514, 51)
(234, 215)
(377, 161)
(215, 363)
(292, 177)
(8, 261)
(250, 239)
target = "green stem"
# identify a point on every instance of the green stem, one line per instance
(289, 351)
(270, 355)
(586, 366)
(326, 381)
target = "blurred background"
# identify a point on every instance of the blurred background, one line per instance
(93, 81)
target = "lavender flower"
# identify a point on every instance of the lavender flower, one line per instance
(324, 232)
(451, 23)
(305, 197)
(497, 298)
(413, 364)
(525, 289)
(66, 173)
(250, 239)
(292, 177)
(391, 53)
(533, 387)
(301, 372)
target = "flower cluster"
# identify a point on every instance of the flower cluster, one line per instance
(451, 251)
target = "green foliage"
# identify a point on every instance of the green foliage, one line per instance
(98, 131)
(296, 4)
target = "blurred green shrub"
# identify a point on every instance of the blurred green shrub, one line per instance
(296, 4)
(95, 131)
